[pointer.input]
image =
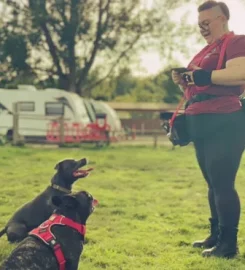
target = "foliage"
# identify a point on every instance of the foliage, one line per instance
(65, 42)
(128, 88)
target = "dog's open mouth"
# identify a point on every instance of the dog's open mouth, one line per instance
(82, 173)
(94, 204)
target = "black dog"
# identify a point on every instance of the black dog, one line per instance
(33, 213)
(34, 254)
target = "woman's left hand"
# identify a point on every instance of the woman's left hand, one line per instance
(198, 77)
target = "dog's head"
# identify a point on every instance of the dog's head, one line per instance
(82, 203)
(70, 170)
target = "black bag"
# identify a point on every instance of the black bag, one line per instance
(243, 103)
(178, 133)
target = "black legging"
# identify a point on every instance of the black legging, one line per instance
(219, 156)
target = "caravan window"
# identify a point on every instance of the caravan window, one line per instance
(54, 108)
(26, 106)
(81, 109)
(3, 109)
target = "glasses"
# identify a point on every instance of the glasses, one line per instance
(206, 24)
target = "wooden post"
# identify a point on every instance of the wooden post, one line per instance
(62, 129)
(15, 123)
(155, 137)
(133, 131)
(142, 128)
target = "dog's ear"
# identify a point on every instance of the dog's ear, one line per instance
(69, 202)
(57, 200)
(66, 201)
(57, 166)
(84, 161)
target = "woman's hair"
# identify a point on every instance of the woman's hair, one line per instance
(210, 4)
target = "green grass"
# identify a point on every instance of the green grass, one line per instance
(152, 205)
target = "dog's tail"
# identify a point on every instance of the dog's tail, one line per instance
(2, 232)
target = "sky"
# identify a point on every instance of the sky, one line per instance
(151, 62)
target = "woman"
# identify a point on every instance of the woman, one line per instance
(216, 123)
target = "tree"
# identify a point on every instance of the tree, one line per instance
(128, 88)
(64, 40)
(171, 92)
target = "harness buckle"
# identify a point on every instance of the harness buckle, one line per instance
(53, 244)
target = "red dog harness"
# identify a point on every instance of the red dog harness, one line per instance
(43, 232)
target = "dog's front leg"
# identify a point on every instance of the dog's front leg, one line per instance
(71, 265)
(16, 232)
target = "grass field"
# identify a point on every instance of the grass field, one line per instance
(152, 205)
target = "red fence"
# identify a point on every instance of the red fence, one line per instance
(143, 126)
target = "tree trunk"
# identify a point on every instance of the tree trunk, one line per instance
(79, 91)
(63, 83)
(72, 80)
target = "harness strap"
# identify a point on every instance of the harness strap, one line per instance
(43, 232)
(226, 38)
(171, 121)
(219, 65)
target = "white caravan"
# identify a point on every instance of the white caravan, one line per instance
(112, 118)
(37, 105)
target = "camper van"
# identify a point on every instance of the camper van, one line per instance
(37, 107)
(112, 118)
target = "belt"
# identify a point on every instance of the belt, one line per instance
(199, 98)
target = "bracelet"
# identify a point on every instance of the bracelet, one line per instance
(199, 77)
(202, 77)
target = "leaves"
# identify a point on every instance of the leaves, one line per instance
(70, 39)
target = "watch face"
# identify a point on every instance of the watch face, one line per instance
(187, 78)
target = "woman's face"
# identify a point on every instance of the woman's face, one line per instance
(211, 23)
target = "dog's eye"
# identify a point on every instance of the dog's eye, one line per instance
(88, 195)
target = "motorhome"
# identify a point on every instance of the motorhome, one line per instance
(112, 117)
(37, 107)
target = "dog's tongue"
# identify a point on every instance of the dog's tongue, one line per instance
(82, 173)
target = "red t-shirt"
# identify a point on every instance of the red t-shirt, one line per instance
(229, 95)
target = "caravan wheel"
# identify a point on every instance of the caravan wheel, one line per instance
(9, 135)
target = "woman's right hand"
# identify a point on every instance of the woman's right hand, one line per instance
(177, 79)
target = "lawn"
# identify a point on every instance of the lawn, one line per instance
(152, 205)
